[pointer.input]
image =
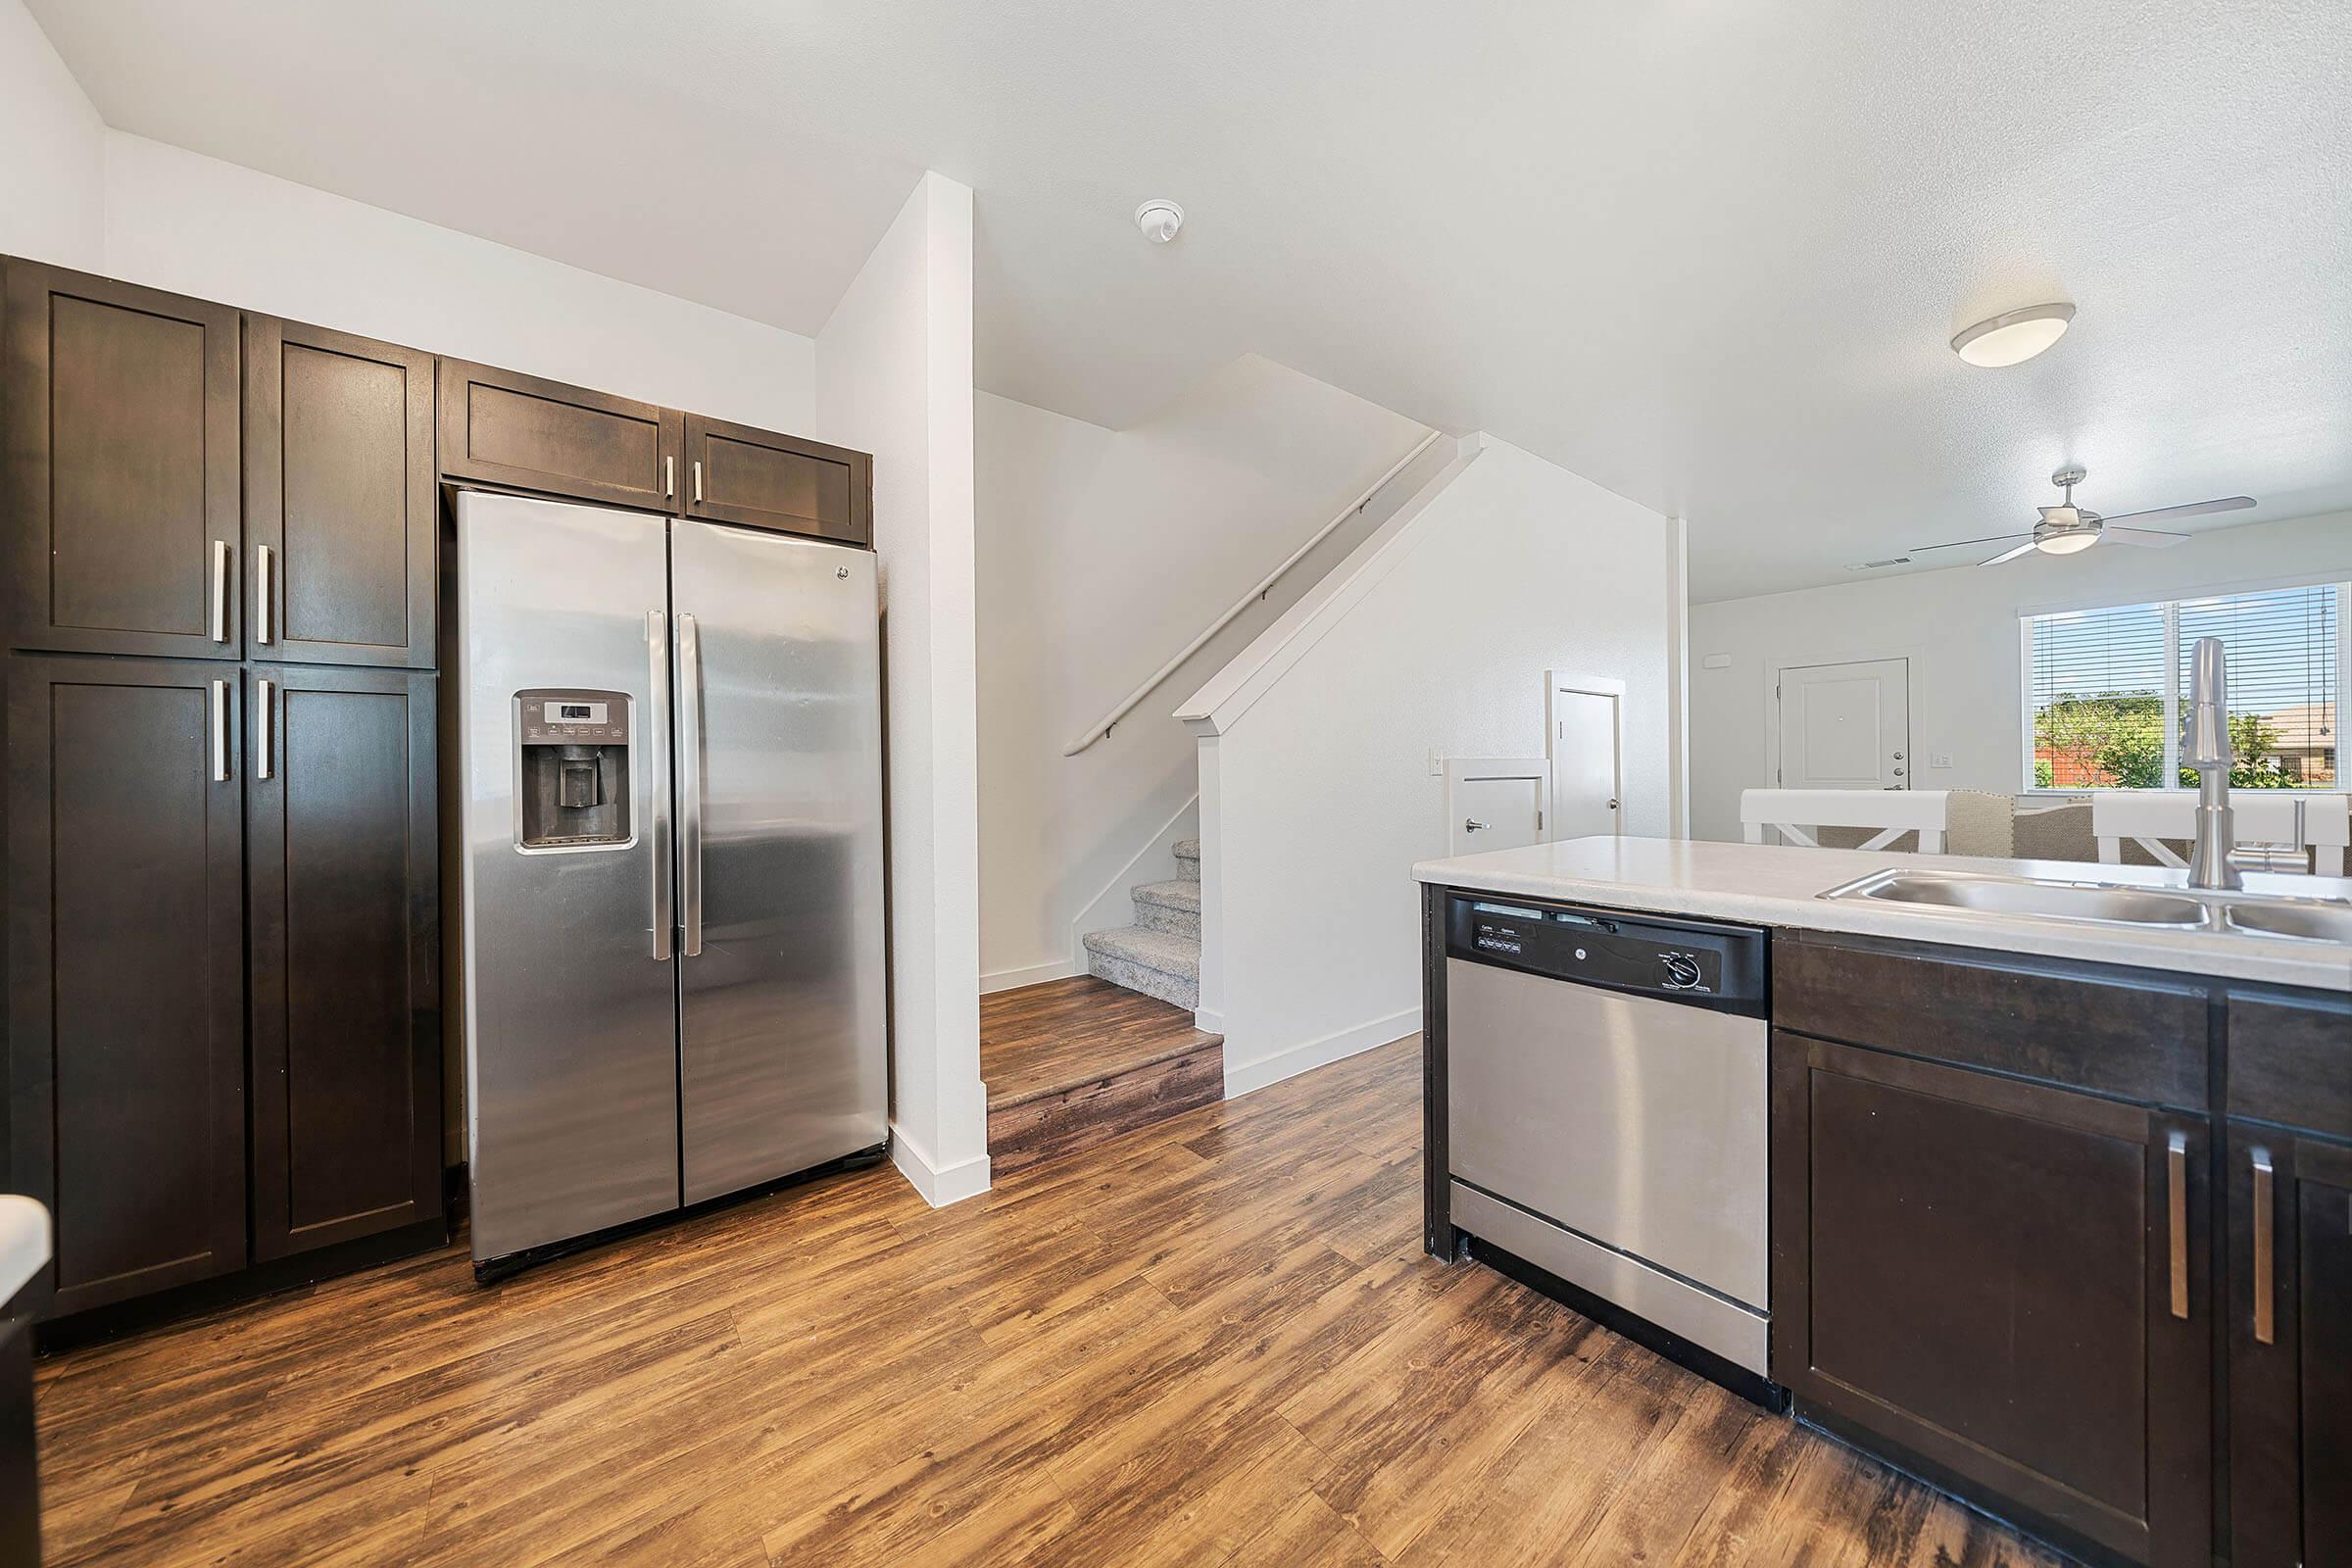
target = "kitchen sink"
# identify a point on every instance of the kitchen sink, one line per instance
(2311, 919)
(2101, 903)
(2254, 915)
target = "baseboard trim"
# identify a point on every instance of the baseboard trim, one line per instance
(1209, 1020)
(1037, 974)
(1247, 1077)
(938, 1187)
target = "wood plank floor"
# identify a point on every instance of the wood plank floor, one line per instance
(1211, 1342)
(1072, 1062)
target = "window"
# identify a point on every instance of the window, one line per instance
(2106, 688)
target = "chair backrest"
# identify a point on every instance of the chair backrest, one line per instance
(1796, 816)
(2149, 817)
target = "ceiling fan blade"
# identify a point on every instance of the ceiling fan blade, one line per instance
(2195, 509)
(2151, 538)
(1990, 539)
(2024, 548)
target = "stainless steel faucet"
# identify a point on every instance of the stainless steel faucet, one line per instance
(2207, 749)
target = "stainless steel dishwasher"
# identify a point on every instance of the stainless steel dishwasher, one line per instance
(1606, 1109)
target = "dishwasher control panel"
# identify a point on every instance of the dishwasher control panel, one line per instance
(1701, 962)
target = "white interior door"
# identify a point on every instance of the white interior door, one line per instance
(1494, 803)
(1846, 727)
(1586, 766)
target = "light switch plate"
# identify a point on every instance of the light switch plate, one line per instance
(1437, 763)
(1716, 661)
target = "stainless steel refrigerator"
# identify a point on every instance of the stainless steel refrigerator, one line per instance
(671, 755)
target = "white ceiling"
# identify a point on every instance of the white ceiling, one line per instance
(1704, 252)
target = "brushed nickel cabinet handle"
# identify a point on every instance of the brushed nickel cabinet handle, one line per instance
(2266, 1285)
(219, 621)
(264, 748)
(219, 731)
(265, 587)
(698, 481)
(670, 476)
(2176, 1170)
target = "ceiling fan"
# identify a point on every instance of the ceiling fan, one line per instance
(2066, 528)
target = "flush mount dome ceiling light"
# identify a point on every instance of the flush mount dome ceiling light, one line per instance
(2013, 336)
(1159, 219)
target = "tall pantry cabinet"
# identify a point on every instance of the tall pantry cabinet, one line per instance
(223, 910)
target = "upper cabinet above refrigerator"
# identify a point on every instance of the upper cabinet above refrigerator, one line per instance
(504, 428)
(735, 473)
(120, 435)
(338, 498)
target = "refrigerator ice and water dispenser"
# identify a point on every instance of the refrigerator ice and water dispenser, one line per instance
(571, 762)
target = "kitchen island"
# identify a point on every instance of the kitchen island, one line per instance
(2058, 1211)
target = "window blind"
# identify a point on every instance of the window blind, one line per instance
(2281, 661)
(2106, 689)
(2098, 684)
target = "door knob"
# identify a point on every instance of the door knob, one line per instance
(1898, 757)
(1898, 772)
(1471, 824)
(1612, 806)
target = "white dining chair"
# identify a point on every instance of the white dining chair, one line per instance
(2320, 824)
(1796, 816)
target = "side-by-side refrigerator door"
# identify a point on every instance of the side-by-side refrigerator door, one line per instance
(571, 999)
(782, 1053)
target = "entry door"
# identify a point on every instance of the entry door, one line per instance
(1494, 803)
(1584, 765)
(1846, 726)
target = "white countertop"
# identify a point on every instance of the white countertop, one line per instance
(24, 1242)
(1779, 885)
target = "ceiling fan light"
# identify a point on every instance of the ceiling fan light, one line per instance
(2014, 336)
(2071, 542)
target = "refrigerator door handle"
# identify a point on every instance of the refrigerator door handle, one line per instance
(656, 738)
(690, 782)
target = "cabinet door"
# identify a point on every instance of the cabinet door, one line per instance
(2290, 1366)
(517, 430)
(2007, 1282)
(122, 439)
(126, 967)
(346, 948)
(339, 496)
(736, 474)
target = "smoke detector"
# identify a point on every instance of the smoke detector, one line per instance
(1159, 219)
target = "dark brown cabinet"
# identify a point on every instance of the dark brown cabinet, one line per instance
(127, 968)
(344, 904)
(504, 428)
(121, 429)
(739, 475)
(2006, 1282)
(339, 497)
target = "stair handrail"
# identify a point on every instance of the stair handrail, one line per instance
(1103, 727)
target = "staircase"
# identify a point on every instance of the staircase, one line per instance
(1159, 954)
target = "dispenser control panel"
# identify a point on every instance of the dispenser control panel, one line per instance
(572, 769)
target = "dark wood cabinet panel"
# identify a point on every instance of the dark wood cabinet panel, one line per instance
(339, 488)
(344, 863)
(122, 446)
(504, 428)
(2289, 1201)
(757, 477)
(126, 967)
(1988, 1275)
(2138, 1036)
(2290, 1060)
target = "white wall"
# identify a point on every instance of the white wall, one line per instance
(1101, 554)
(894, 377)
(194, 224)
(1959, 629)
(52, 152)
(1317, 799)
